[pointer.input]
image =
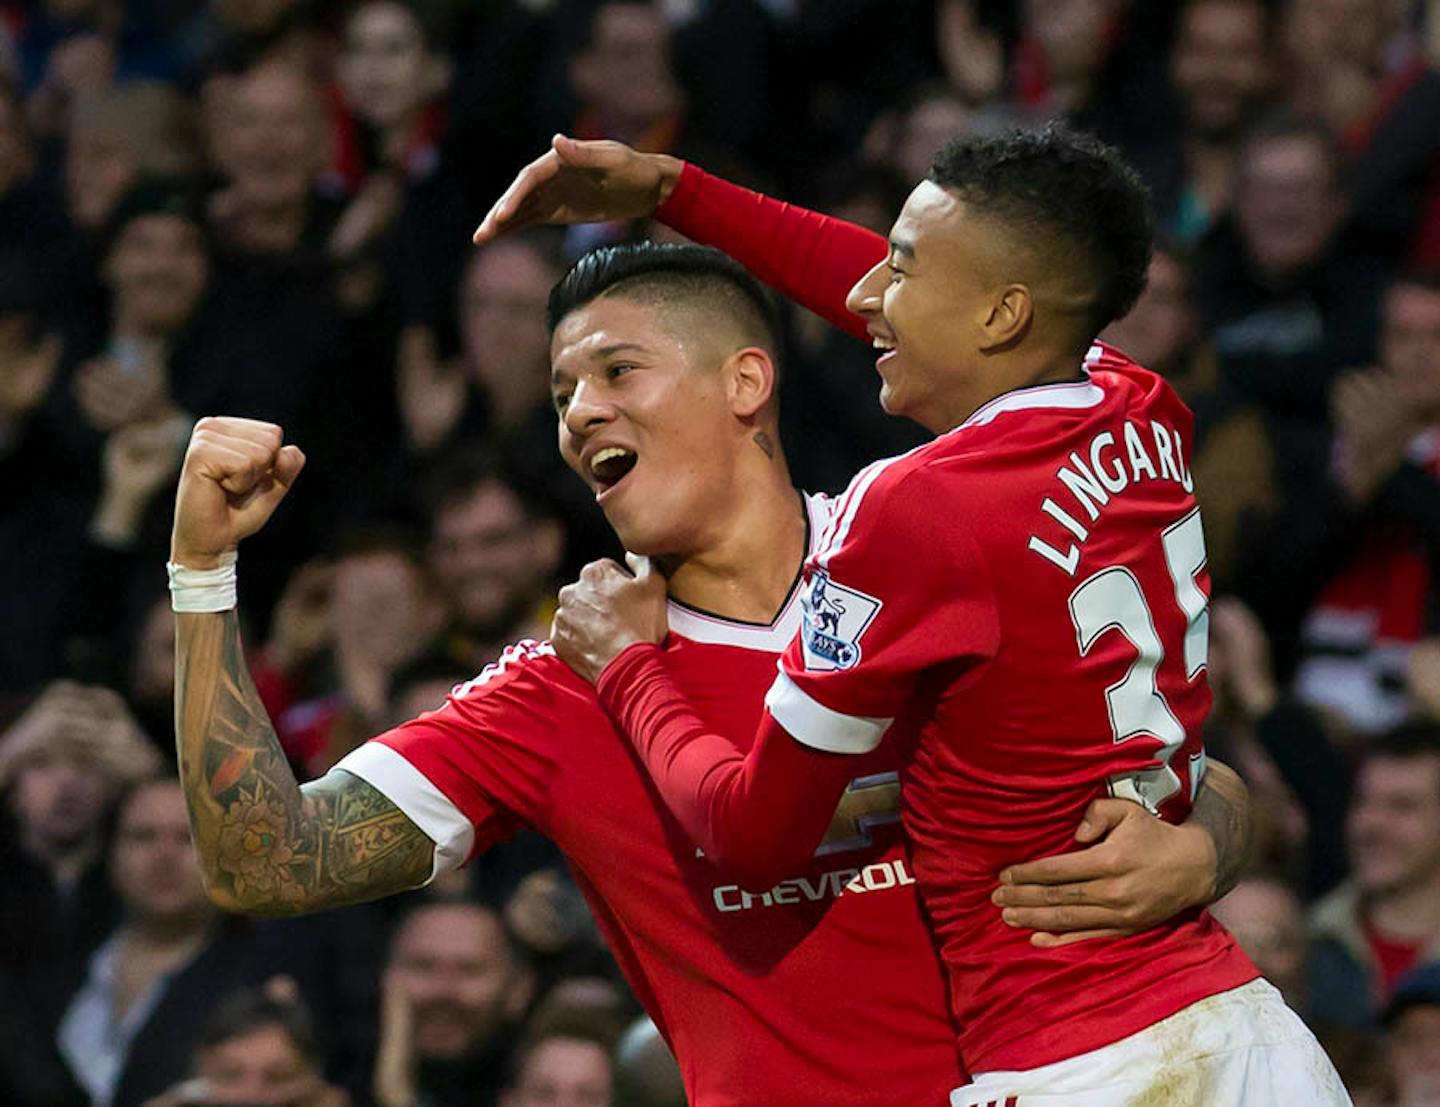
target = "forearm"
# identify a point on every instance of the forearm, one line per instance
(268, 845)
(810, 258)
(1222, 808)
(758, 816)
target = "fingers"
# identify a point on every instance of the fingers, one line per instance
(502, 215)
(1103, 816)
(1044, 940)
(1067, 868)
(1062, 920)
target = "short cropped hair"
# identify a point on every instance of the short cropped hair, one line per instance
(668, 273)
(1068, 187)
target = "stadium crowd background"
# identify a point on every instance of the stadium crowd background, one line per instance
(263, 208)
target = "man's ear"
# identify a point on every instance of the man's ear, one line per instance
(1008, 317)
(749, 381)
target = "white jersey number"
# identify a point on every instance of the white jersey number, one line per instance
(1113, 600)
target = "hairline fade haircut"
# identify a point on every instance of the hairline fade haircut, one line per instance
(697, 280)
(1065, 195)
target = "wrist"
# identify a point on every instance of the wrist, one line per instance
(197, 590)
(620, 671)
(1205, 853)
(670, 169)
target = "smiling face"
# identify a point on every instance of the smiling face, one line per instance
(385, 68)
(649, 421)
(922, 305)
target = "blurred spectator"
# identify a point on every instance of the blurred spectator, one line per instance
(1297, 777)
(62, 765)
(257, 1049)
(623, 78)
(339, 635)
(1222, 67)
(494, 552)
(646, 1074)
(292, 327)
(155, 269)
(1268, 921)
(130, 1029)
(1386, 919)
(498, 385)
(1365, 597)
(392, 74)
(454, 990)
(29, 227)
(1412, 1038)
(115, 139)
(1356, 67)
(393, 149)
(70, 49)
(566, 1066)
(1288, 308)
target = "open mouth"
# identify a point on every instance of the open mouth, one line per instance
(885, 347)
(610, 466)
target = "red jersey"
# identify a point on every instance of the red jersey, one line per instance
(1021, 606)
(823, 990)
(1025, 599)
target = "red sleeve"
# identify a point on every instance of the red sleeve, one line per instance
(476, 770)
(758, 816)
(810, 258)
(896, 589)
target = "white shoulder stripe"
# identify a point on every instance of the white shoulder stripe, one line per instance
(819, 727)
(391, 774)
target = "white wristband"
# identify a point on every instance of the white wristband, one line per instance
(203, 590)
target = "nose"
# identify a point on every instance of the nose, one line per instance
(587, 410)
(865, 297)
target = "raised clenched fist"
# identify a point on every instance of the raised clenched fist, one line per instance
(235, 473)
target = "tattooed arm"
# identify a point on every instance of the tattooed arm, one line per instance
(267, 844)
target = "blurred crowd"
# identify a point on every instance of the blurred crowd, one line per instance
(263, 208)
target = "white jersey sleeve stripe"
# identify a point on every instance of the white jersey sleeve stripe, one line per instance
(819, 727)
(389, 773)
(845, 516)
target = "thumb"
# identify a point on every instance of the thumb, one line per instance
(640, 566)
(1101, 817)
(288, 464)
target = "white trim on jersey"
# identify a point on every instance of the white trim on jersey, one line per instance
(714, 631)
(820, 727)
(1072, 394)
(425, 805)
(1075, 395)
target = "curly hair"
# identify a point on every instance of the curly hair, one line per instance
(1065, 185)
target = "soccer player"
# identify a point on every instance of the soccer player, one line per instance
(1018, 606)
(822, 989)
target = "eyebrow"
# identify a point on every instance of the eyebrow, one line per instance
(599, 354)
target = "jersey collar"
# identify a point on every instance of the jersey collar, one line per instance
(712, 630)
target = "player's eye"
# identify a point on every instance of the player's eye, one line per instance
(895, 271)
(617, 369)
(561, 400)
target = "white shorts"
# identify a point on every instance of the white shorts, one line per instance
(1241, 1048)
